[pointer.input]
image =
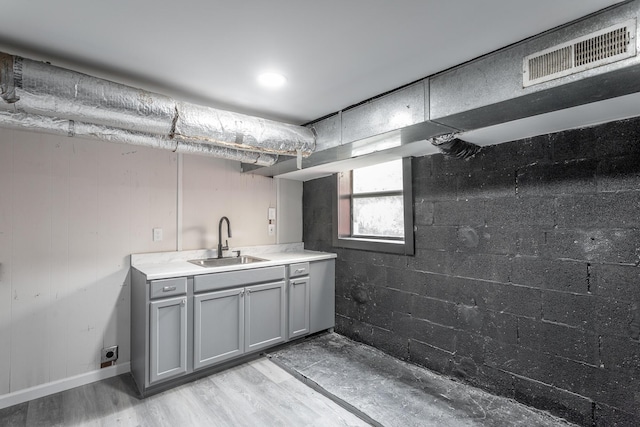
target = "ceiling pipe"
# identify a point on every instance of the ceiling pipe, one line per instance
(452, 146)
(195, 123)
(40, 89)
(73, 128)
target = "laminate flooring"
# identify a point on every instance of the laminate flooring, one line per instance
(307, 383)
(257, 393)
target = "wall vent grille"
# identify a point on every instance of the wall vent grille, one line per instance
(593, 50)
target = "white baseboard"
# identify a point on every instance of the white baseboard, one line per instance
(53, 387)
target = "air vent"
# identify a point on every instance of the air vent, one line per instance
(593, 50)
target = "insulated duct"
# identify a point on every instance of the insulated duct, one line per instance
(73, 128)
(195, 123)
(580, 63)
(43, 90)
(452, 146)
(39, 88)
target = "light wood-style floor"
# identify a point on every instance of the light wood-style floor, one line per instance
(257, 393)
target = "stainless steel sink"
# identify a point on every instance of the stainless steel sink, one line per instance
(219, 262)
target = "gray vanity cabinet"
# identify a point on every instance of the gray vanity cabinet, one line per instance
(322, 286)
(167, 337)
(218, 326)
(265, 314)
(186, 324)
(298, 299)
(232, 322)
(298, 307)
(231, 319)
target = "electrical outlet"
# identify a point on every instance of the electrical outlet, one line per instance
(109, 354)
(272, 214)
(157, 234)
(272, 229)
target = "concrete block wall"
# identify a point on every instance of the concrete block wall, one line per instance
(525, 280)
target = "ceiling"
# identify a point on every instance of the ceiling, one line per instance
(334, 53)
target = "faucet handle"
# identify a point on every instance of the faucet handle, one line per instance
(238, 253)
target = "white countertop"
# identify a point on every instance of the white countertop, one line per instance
(175, 264)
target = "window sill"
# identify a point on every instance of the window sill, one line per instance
(374, 245)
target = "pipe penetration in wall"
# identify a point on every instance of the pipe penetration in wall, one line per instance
(39, 96)
(452, 146)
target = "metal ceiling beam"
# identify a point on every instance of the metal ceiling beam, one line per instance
(487, 91)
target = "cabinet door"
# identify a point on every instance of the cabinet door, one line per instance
(298, 307)
(168, 338)
(265, 315)
(218, 327)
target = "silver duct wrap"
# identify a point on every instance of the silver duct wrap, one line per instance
(71, 128)
(261, 159)
(51, 91)
(26, 121)
(196, 123)
(119, 113)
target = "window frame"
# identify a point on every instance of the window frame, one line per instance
(342, 218)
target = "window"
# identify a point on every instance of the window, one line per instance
(373, 210)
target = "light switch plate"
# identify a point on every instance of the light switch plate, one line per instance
(272, 229)
(157, 234)
(272, 214)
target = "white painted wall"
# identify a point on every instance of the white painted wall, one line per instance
(214, 188)
(289, 212)
(71, 212)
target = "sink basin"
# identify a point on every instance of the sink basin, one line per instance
(219, 262)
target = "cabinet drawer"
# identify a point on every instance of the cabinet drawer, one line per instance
(300, 269)
(167, 287)
(210, 282)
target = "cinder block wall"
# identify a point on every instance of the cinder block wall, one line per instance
(525, 280)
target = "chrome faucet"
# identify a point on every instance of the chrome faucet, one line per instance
(226, 246)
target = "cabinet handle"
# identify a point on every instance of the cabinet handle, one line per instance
(168, 288)
(300, 270)
(297, 283)
(184, 301)
(241, 294)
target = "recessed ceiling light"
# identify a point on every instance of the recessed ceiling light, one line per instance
(272, 80)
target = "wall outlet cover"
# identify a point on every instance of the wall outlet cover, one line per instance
(109, 354)
(157, 234)
(272, 229)
(272, 214)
